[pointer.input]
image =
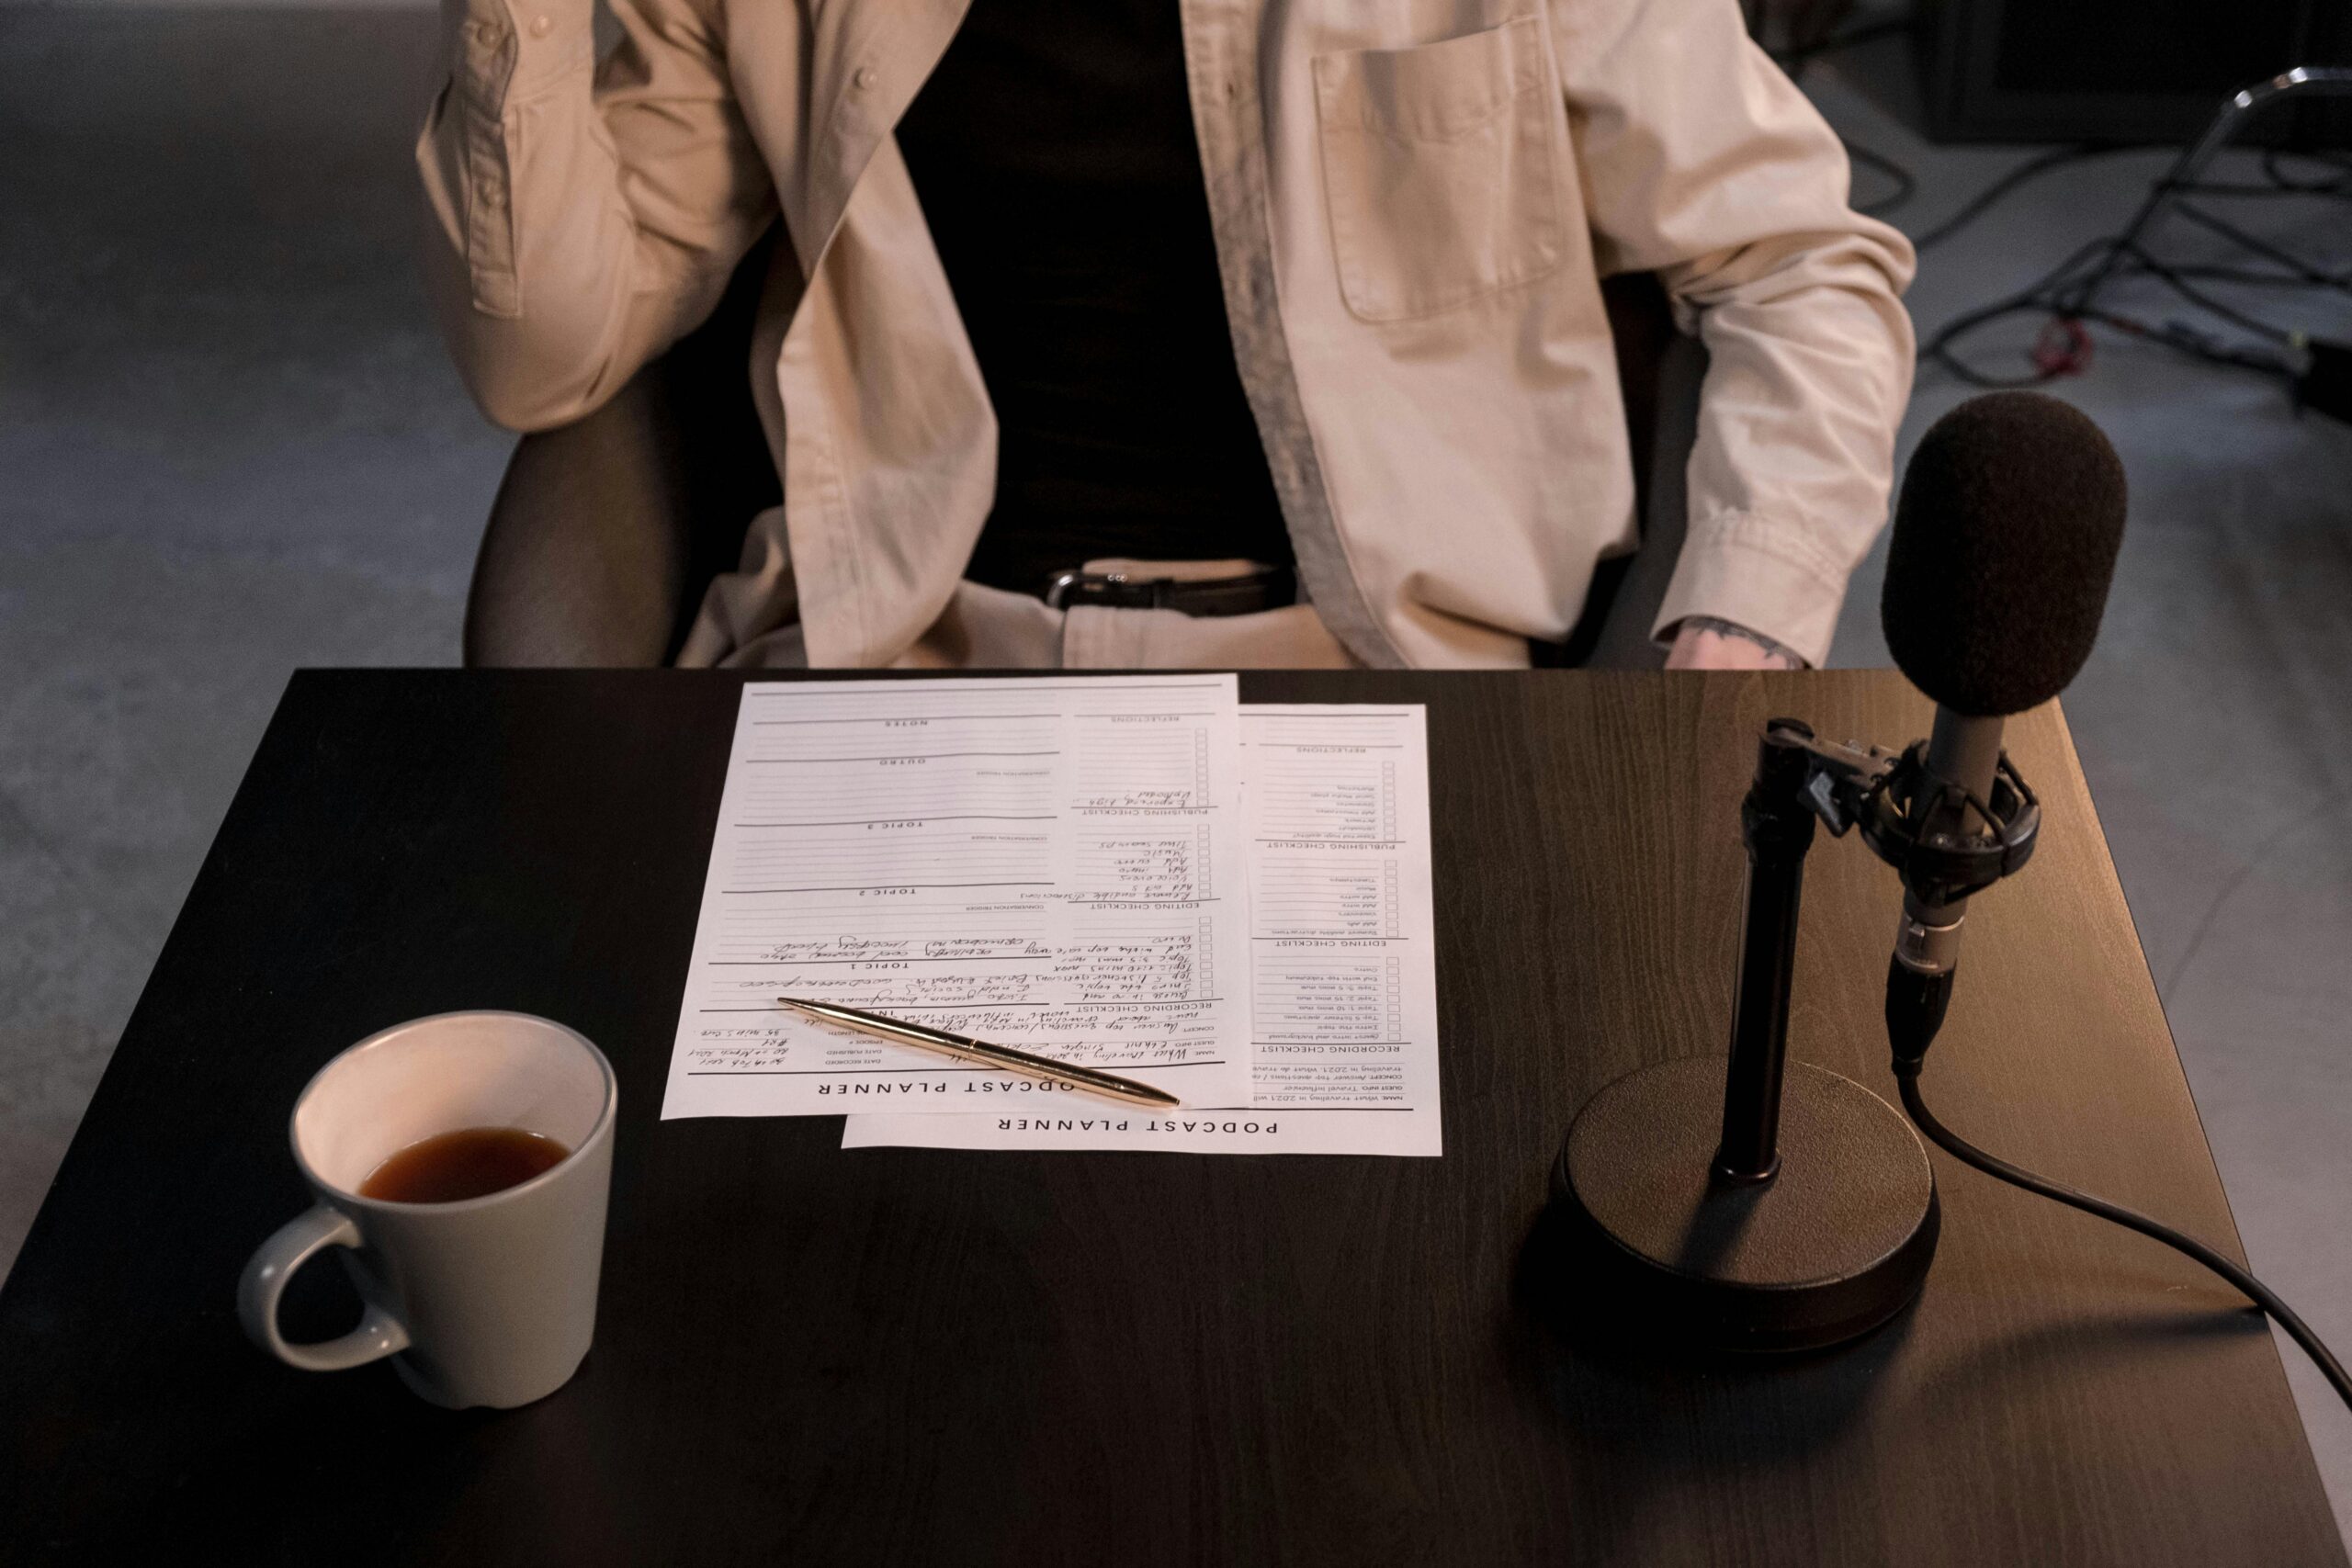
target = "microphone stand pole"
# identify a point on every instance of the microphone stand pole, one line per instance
(1778, 829)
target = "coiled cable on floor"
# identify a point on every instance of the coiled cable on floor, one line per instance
(1906, 1076)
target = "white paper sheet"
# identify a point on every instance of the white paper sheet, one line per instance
(1052, 864)
(1343, 966)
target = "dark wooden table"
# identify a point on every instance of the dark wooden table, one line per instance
(811, 1355)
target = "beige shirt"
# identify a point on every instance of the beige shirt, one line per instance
(1413, 204)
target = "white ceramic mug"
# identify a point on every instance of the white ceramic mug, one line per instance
(485, 1301)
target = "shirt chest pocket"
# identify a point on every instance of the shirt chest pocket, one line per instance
(1442, 169)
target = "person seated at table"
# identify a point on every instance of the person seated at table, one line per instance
(1168, 333)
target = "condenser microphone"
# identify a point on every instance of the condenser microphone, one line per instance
(2005, 543)
(1996, 576)
(1687, 1209)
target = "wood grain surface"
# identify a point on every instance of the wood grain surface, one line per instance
(808, 1355)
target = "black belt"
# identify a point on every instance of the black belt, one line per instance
(1245, 595)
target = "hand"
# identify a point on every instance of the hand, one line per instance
(1703, 648)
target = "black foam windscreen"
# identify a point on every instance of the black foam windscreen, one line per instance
(2005, 543)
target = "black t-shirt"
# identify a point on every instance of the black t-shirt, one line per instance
(1054, 155)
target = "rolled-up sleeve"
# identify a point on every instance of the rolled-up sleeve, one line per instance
(581, 217)
(1701, 162)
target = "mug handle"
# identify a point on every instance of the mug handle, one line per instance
(297, 1242)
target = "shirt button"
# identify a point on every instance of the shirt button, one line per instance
(486, 34)
(863, 78)
(542, 25)
(492, 192)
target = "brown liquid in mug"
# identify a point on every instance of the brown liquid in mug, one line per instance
(472, 1162)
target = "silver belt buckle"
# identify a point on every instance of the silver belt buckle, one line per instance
(1057, 590)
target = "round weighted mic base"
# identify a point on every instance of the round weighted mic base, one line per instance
(1834, 1244)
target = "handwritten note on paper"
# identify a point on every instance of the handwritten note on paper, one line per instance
(1342, 970)
(1052, 865)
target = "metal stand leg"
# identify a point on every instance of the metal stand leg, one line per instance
(2324, 81)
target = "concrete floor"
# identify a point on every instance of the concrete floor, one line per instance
(232, 446)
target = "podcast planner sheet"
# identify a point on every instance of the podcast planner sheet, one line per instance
(1052, 864)
(1342, 970)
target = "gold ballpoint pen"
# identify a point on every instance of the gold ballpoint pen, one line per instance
(979, 1051)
